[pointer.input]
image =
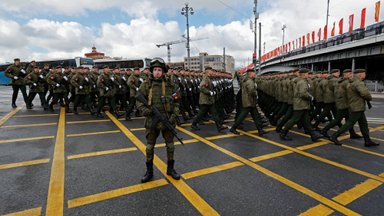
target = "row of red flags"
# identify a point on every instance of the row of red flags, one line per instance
(311, 37)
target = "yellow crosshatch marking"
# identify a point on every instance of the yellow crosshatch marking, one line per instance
(26, 139)
(277, 177)
(28, 212)
(93, 133)
(35, 115)
(9, 115)
(99, 153)
(30, 125)
(23, 164)
(88, 121)
(199, 203)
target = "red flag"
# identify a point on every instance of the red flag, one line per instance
(293, 44)
(300, 43)
(308, 39)
(289, 46)
(363, 13)
(325, 32)
(351, 17)
(377, 11)
(319, 34)
(341, 22)
(313, 36)
(303, 41)
(333, 29)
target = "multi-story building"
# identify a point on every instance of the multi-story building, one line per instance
(203, 60)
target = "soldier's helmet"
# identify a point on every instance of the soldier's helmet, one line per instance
(158, 62)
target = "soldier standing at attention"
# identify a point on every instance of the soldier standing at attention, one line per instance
(301, 107)
(249, 100)
(207, 101)
(17, 74)
(357, 94)
(160, 92)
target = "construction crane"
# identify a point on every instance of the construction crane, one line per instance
(168, 44)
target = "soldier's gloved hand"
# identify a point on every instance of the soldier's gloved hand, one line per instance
(66, 78)
(94, 86)
(23, 71)
(147, 112)
(80, 87)
(125, 79)
(112, 78)
(41, 76)
(15, 77)
(120, 86)
(211, 93)
(34, 84)
(141, 79)
(106, 88)
(137, 89)
(86, 79)
(190, 89)
(57, 85)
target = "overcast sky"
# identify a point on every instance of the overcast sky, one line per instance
(43, 29)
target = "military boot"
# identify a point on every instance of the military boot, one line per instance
(67, 109)
(51, 108)
(260, 131)
(369, 143)
(233, 130)
(324, 133)
(284, 136)
(315, 135)
(99, 115)
(220, 127)
(194, 126)
(354, 135)
(171, 171)
(75, 111)
(14, 106)
(334, 139)
(149, 174)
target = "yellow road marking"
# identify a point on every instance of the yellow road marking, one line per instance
(133, 118)
(24, 163)
(270, 156)
(30, 125)
(199, 203)
(98, 153)
(277, 177)
(363, 150)
(346, 197)
(80, 113)
(26, 139)
(93, 133)
(115, 193)
(55, 200)
(210, 170)
(28, 212)
(377, 139)
(35, 115)
(138, 129)
(315, 157)
(9, 115)
(88, 121)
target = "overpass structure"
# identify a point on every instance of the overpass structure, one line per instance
(363, 48)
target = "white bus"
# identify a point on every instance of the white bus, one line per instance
(68, 62)
(123, 63)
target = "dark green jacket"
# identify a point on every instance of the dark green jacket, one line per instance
(248, 92)
(206, 87)
(16, 74)
(301, 96)
(57, 82)
(340, 91)
(36, 82)
(357, 93)
(328, 90)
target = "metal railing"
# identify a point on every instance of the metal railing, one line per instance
(375, 86)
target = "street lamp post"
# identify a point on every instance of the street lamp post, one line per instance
(185, 11)
(327, 13)
(255, 34)
(283, 29)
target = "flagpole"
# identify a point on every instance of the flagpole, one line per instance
(327, 12)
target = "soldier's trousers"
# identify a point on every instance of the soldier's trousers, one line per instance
(131, 106)
(288, 115)
(204, 108)
(328, 108)
(301, 116)
(151, 135)
(59, 96)
(244, 113)
(85, 98)
(32, 96)
(23, 90)
(283, 109)
(239, 104)
(353, 118)
(122, 100)
(112, 104)
(340, 114)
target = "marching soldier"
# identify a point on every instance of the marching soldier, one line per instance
(357, 94)
(249, 100)
(17, 74)
(207, 101)
(57, 81)
(301, 106)
(160, 92)
(37, 82)
(106, 85)
(133, 84)
(82, 85)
